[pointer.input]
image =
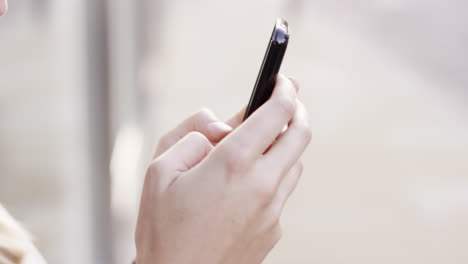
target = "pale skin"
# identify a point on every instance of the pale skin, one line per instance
(3, 7)
(215, 196)
(215, 191)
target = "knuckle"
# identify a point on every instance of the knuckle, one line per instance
(277, 232)
(287, 105)
(275, 212)
(264, 192)
(204, 111)
(199, 140)
(155, 173)
(235, 159)
(155, 177)
(305, 133)
(156, 168)
(300, 167)
(204, 114)
(196, 136)
(273, 232)
(304, 128)
(164, 141)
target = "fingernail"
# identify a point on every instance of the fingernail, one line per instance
(220, 126)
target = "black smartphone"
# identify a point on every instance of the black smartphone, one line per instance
(270, 67)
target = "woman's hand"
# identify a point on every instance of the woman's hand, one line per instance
(206, 204)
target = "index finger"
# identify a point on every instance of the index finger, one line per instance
(235, 120)
(203, 121)
(256, 133)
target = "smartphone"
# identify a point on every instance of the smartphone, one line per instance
(270, 67)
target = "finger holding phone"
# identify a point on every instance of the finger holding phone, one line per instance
(215, 195)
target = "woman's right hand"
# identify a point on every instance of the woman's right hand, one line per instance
(206, 204)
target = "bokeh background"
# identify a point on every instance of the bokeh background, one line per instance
(87, 87)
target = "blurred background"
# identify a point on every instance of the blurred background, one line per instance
(87, 87)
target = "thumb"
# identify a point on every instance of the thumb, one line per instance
(203, 121)
(187, 152)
